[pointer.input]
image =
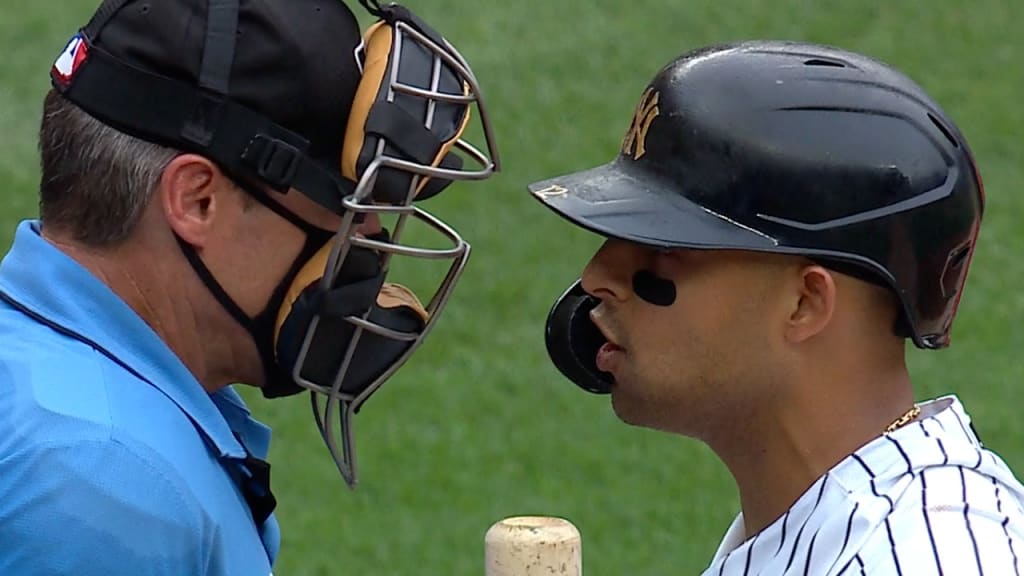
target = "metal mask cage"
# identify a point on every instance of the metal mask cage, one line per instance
(341, 405)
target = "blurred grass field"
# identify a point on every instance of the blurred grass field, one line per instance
(478, 425)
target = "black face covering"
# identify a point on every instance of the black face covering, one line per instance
(335, 348)
(261, 326)
(277, 380)
(279, 330)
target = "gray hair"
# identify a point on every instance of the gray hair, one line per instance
(95, 181)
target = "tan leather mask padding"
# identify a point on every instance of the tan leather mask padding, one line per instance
(310, 273)
(391, 295)
(378, 42)
(395, 295)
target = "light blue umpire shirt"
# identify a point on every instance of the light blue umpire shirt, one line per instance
(113, 458)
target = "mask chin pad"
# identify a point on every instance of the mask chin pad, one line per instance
(361, 288)
(572, 340)
(374, 353)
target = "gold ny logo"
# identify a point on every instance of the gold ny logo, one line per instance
(635, 141)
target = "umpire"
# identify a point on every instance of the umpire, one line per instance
(212, 177)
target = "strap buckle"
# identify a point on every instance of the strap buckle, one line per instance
(275, 161)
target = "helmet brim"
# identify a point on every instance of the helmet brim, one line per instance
(616, 202)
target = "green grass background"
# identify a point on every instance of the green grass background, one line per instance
(478, 425)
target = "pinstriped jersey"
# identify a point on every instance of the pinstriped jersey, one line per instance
(925, 499)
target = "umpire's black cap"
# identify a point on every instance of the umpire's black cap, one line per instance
(209, 76)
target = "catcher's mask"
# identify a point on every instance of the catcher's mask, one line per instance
(334, 326)
(409, 114)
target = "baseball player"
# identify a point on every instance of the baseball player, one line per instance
(214, 174)
(780, 218)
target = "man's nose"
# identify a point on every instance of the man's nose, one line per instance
(608, 274)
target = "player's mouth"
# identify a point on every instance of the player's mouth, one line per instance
(607, 357)
(610, 353)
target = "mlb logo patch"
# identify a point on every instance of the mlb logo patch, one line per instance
(70, 60)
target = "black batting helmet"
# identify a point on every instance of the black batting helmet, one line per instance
(789, 148)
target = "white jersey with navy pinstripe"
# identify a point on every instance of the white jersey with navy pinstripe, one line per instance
(926, 499)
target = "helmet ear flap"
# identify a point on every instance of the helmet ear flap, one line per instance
(572, 340)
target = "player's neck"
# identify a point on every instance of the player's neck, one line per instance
(778, 452)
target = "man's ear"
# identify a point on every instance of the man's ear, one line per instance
(187, 194)
(813, 304)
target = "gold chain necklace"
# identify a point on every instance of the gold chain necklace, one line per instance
(903, 420)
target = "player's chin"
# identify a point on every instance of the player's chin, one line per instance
(643, 414)
(626, 406)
